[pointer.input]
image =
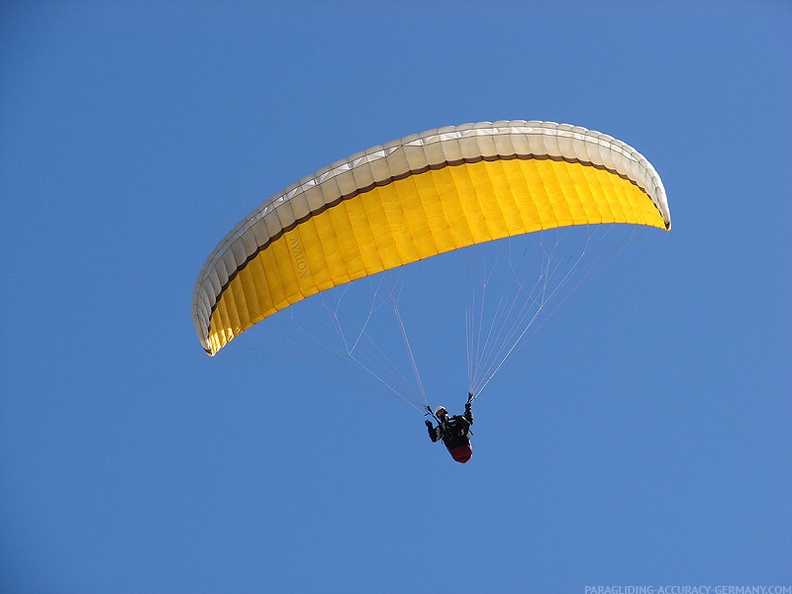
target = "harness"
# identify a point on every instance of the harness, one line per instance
(455, 433)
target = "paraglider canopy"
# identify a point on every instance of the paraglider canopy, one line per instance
(415, 198)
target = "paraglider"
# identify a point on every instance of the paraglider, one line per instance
(416, 198)
(454, 431)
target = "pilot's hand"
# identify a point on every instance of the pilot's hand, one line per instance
(428, 424)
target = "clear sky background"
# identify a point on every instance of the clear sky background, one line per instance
(642, 437)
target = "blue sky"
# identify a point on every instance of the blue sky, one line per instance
(641, 437)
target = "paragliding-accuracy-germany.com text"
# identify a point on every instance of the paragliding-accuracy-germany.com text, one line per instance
(688, 590)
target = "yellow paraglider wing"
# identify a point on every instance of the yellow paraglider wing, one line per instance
(414, 198)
